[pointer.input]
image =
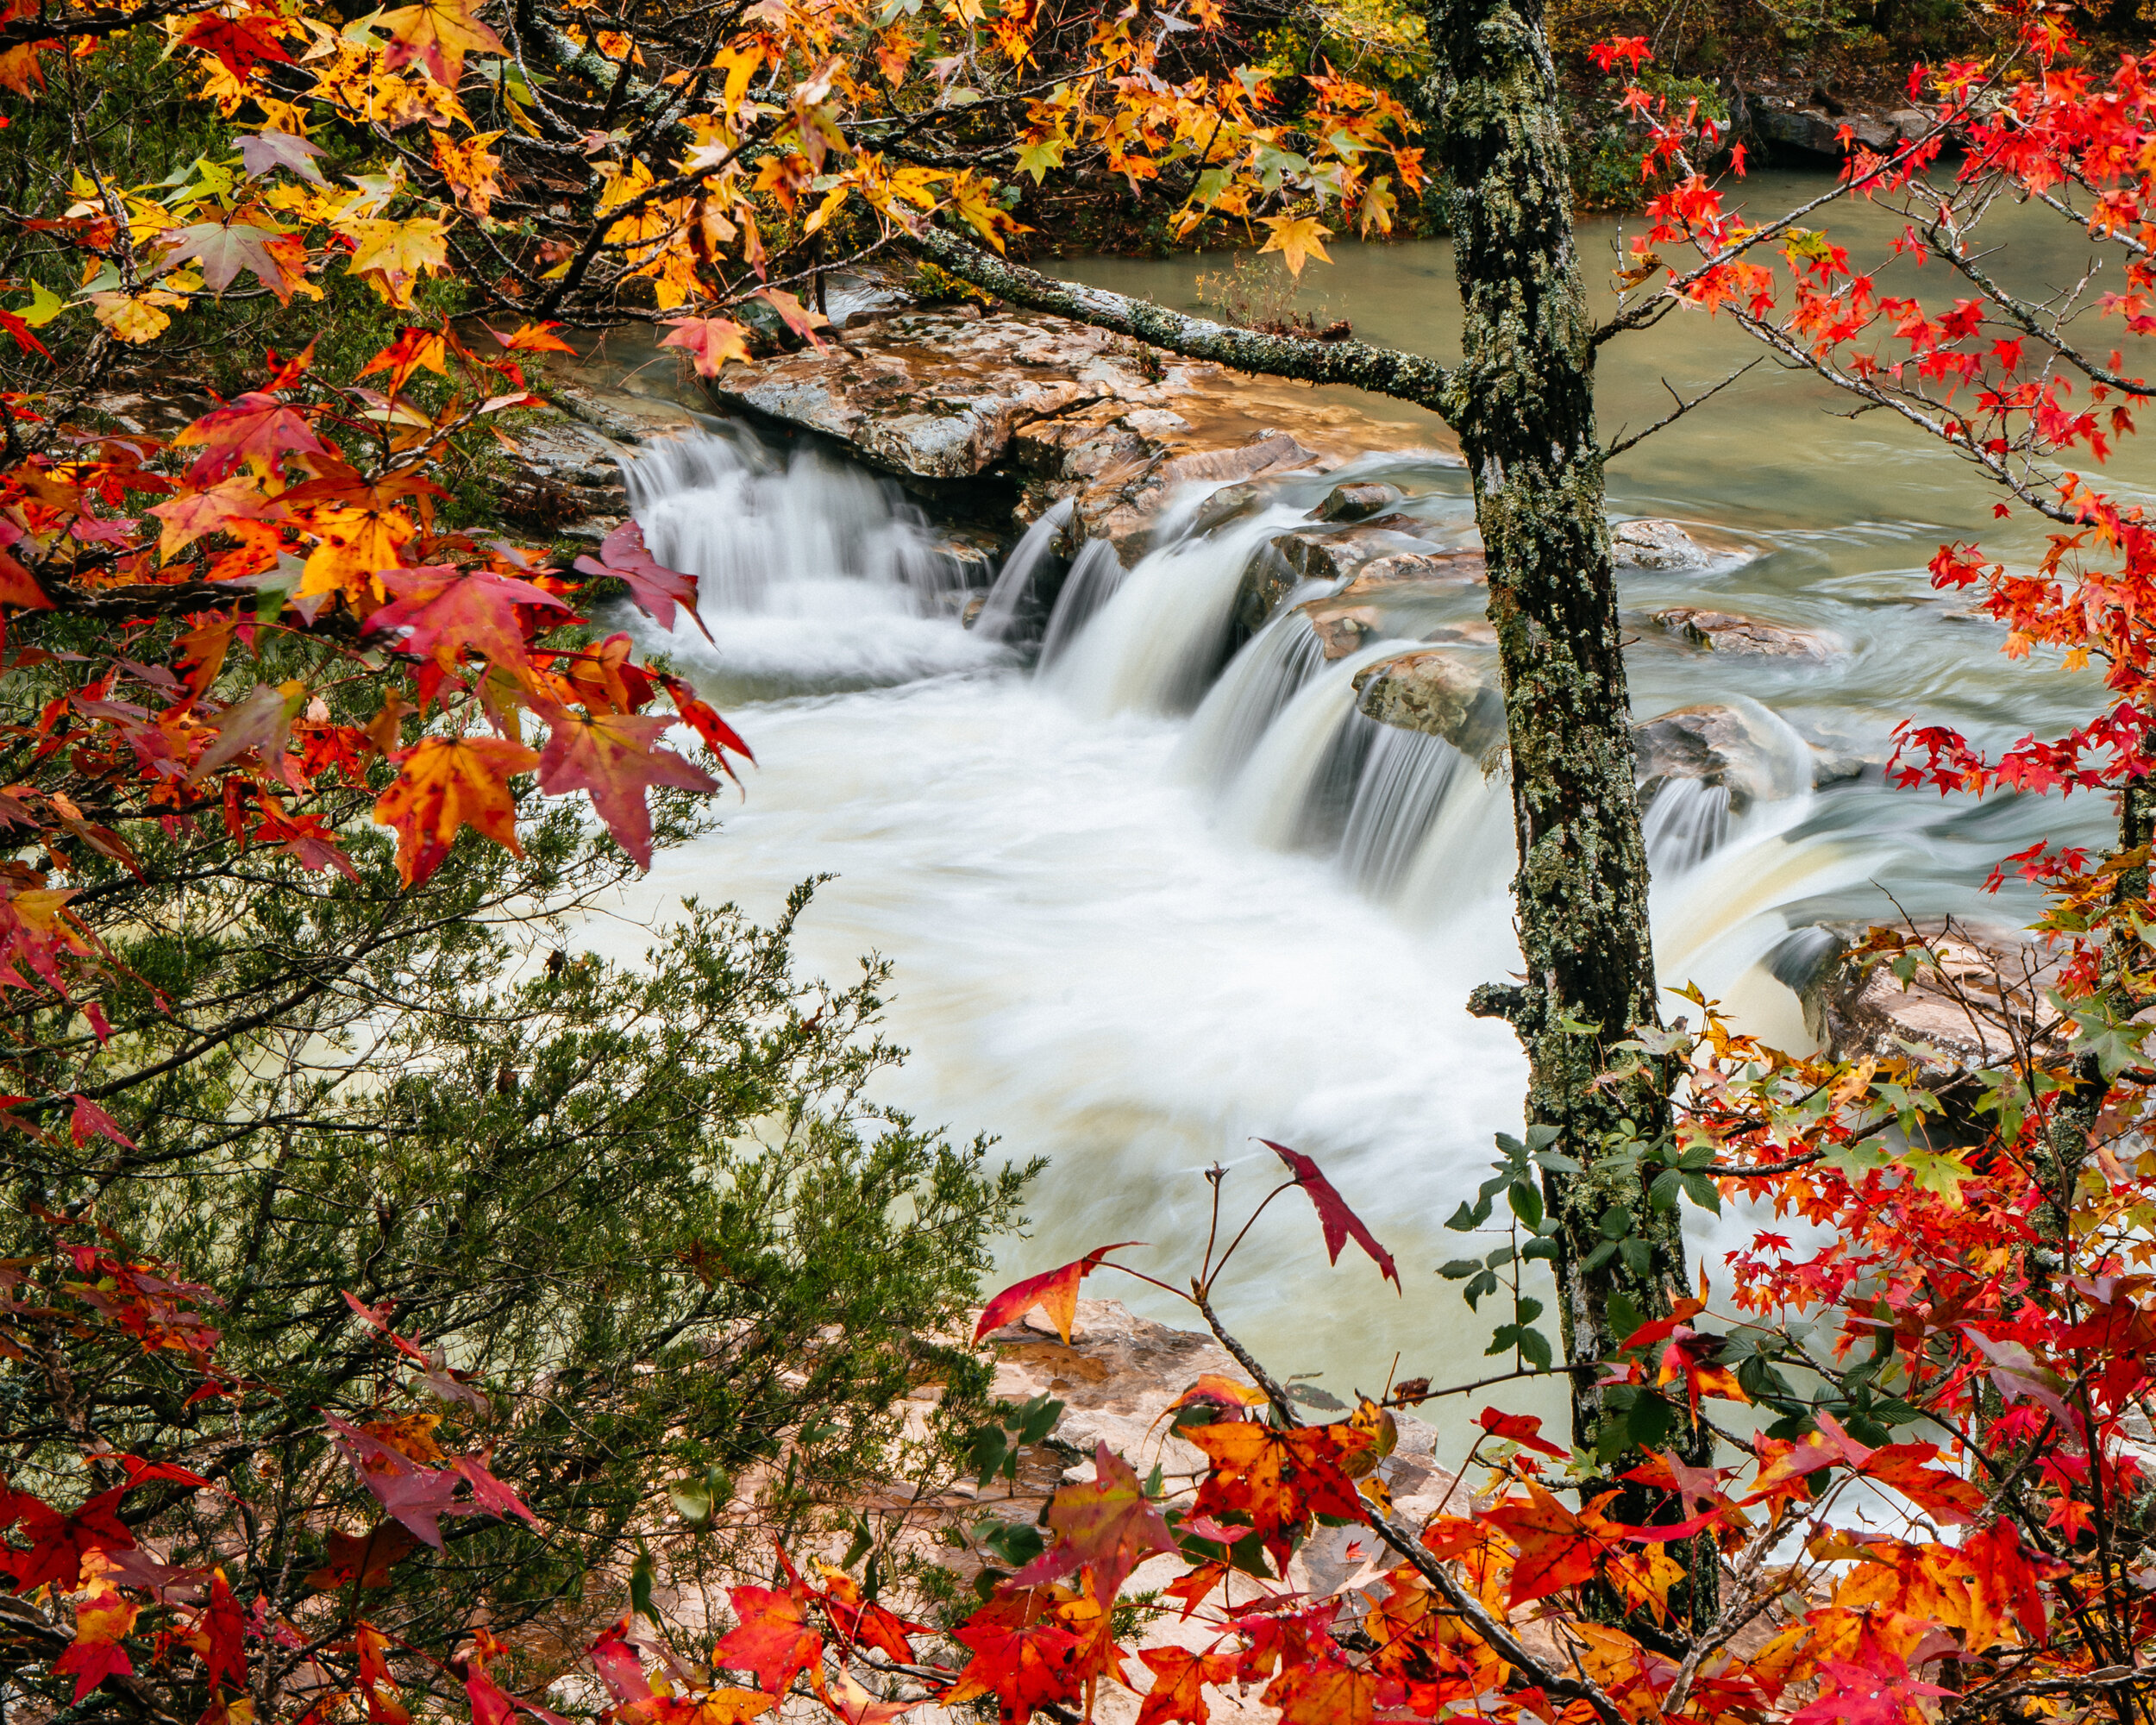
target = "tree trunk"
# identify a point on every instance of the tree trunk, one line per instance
(1522, 402)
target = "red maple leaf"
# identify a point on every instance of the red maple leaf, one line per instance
(442, 612)
(1022, 1654)
(1055, 1291)
(242, 43)
(1523, 1429)
(1107, 1522)
(1340, 1223)
(254, 427)
(1556, 1548)
(774, 1639)
(655, 588)
(612, 757)
(1277, 1480)
(102, 1621)
(59, 1543)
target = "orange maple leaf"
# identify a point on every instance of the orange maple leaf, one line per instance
(444, 785)
(1557, 1549)
(1055, 1291)
(1179, 1676)
(437, 33)
(774, 1639)
(1278, 1479)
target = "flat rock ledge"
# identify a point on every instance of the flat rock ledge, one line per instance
(1057, 408)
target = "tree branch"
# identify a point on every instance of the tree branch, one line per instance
(1382, 371)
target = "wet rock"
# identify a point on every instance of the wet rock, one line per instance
(1982, 1001)
(1334, 554)
(1451, 693)
(1318, 554)
(1356, 502)
(1723, 631)
(1228, 505)
(564, 462)
(1435, 570)
(1655, 545)
(1814, 126)
(944, 395)
(1737, 744)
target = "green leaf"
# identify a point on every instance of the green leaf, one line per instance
(1484, 1283)
(1526, 1201)
(1456, 1269)
(1542, 1247)
(640, 1579)
(1535, 1348)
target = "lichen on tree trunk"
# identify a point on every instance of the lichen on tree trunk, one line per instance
(1522, 402)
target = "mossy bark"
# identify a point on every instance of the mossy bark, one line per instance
(1522, 402)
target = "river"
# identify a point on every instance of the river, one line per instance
(1116, 942)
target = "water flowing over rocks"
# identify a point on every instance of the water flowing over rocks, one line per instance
(1055, 409)
(1736, 745)
(564, 464)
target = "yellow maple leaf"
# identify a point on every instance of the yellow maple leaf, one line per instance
(437, 35)
(1297, 238)
(391, 256)
(139, 317)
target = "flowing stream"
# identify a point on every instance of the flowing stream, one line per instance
(1147, 906)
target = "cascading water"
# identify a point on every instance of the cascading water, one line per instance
(825, 577)
(1133, 937)
(1684, 825)
(1035, 551)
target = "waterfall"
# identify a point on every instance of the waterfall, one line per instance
(813, 574)
(1259, 681)
(1155, 642)
(1406, 777)
(1094, 579)
(1014, 581)
(1684, 825)
(1310, 754)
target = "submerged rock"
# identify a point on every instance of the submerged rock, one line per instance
(1447, 692)
(1725, 631)
(1738, 744)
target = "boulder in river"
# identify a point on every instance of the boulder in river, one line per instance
(1356, 501)
(1726, 631)
(1447, 692)
(1655, 545)
(1984, 999)
(1737, 744)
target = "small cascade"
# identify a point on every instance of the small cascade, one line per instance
(1467, 855)
(1259, 681)
(1406, 778)
(813, 574)
(1684, 825)
(1008, 599)
(1297, 788)
(1094, 579)
(1162, 632)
